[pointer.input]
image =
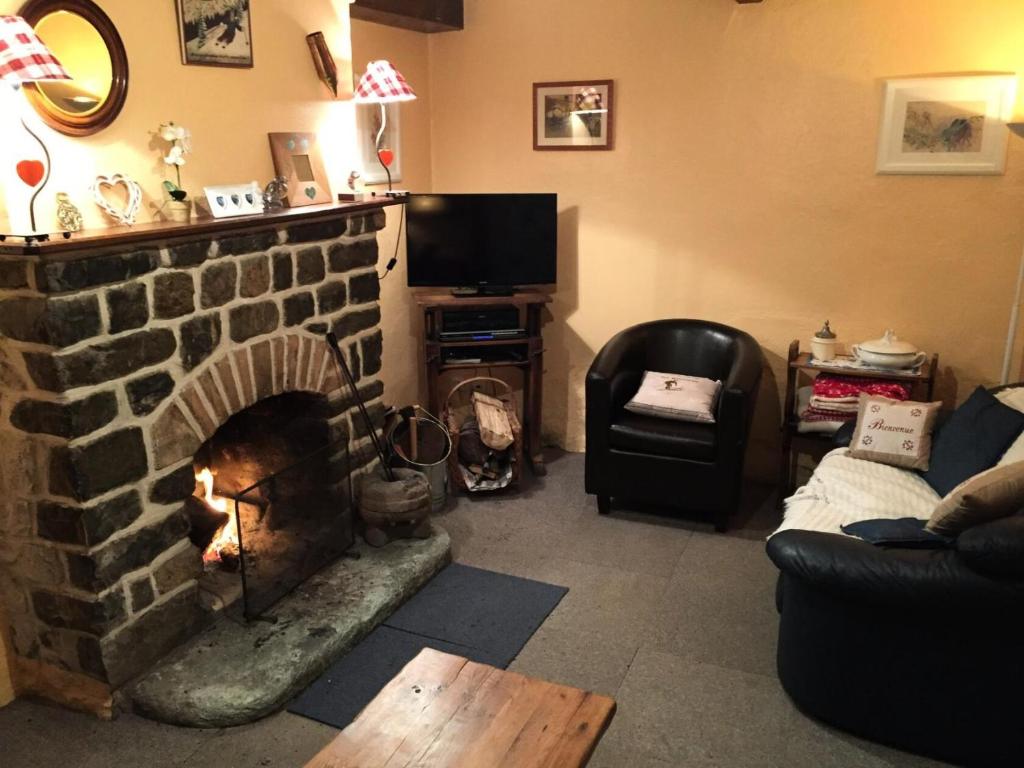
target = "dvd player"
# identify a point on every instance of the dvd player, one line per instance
(483, 335)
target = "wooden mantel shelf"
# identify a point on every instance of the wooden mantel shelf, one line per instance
(160, 231)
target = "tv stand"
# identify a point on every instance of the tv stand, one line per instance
(525, 352)
(483, 290)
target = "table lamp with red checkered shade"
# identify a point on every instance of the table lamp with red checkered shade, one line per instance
(383, 84)
(24, 58)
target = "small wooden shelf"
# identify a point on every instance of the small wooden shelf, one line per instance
(436, 302)
(801, 364)
(506, 342)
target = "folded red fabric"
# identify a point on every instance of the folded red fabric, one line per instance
(826, 385)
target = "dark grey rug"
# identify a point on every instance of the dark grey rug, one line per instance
(481, 615)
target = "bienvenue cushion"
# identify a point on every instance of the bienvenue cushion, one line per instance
(990, 495)
(973, 440)
(675, 396)
(894, 432)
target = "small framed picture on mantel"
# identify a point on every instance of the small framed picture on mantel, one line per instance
(574, 115)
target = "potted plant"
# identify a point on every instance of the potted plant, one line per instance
(179, 207)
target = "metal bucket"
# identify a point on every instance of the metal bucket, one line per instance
(421, 442)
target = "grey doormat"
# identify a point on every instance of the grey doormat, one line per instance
(481, 615)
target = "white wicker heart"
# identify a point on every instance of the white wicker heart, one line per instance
(124, 215)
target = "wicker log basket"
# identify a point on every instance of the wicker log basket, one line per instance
(458, 410)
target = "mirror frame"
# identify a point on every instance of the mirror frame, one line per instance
(35, 11)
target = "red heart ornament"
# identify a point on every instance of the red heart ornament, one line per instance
(31, 171)
(386, 156)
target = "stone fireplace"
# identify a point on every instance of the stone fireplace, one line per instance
(121, 359)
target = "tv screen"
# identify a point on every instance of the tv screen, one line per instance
(481, 241)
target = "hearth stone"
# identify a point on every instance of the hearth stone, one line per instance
(233, 673)
(127, 307)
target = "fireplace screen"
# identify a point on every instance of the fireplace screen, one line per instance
(272, 504)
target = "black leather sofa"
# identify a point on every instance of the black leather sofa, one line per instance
(661, 461)
(919, 649)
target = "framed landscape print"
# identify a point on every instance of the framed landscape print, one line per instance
(954, 125)
(215, 33)
(367, 127)
(297, 157)
(573, 115)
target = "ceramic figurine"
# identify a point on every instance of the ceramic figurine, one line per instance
(275, 193)
(823, 345)
(69, 217)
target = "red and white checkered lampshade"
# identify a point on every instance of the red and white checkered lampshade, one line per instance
(24, 58)
(382, 84)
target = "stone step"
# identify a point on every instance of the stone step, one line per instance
(234, 673)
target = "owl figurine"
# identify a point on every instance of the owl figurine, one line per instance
(69, 217)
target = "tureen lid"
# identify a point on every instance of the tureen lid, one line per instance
(825, 333)
(889, 344)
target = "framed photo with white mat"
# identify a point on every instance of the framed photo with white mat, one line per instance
(946, 125)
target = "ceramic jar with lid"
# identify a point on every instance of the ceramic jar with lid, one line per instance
(888, 352)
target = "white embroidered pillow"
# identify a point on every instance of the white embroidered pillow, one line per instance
(894, 432)
(673, 396)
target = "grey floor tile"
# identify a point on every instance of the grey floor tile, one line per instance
(39, 735)
(629, 545)
(719, 605)
(280, 741)
(603, 601)
(579, 659)
(691, 713)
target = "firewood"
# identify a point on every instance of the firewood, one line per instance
(205, 521)
(495, 428)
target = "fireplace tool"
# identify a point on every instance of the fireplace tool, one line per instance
(346, 373)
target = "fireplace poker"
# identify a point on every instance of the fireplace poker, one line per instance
(339, 359)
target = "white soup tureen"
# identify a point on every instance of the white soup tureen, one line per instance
(888, 352)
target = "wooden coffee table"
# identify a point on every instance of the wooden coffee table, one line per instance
(444, 710)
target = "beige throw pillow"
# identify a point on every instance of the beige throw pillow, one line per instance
(894, 432)
(673, 396)
(989, 495)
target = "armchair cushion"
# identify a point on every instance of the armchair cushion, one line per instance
(674, 396)
(663, 437)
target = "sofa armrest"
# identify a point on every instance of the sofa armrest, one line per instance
(995, 548)
(890, 577)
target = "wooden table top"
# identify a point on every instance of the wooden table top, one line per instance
(443, 710)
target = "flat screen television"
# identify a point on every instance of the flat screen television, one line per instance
(488, 243)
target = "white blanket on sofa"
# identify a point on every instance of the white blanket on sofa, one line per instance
(843, 490)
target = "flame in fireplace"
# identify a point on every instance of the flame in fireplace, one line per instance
(226, 538)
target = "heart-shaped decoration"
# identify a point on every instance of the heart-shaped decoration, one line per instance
(31, 171)
(291, 144)
(305, 143)
(126, 213)
(220, 200)
(249, 198)
(235, 199)
(386, 156)
(310, 192)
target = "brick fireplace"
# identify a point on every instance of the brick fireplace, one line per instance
(119, 358)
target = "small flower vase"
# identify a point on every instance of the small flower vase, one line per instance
(178, 211)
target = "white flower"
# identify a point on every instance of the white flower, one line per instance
(176, 156)
(169, 131)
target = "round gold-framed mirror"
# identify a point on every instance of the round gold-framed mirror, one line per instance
(85, 41)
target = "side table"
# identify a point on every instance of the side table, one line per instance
(802, 368)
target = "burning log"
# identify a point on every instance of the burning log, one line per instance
(206, 521)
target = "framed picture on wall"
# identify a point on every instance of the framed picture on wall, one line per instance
(367, 127)
(952, 125)
(573, 115)
(297, 157)
(215, 33)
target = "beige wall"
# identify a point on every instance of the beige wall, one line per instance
(6, 675)
(742, 186)
(408, 51)
(229, 111)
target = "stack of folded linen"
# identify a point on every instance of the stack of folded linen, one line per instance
(834, 399)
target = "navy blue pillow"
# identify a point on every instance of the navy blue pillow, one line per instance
(973, 440)
(906, 532)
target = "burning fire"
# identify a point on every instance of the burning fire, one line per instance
(226, 539)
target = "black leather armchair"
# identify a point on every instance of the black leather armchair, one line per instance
(919, 649)
(661, 461)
